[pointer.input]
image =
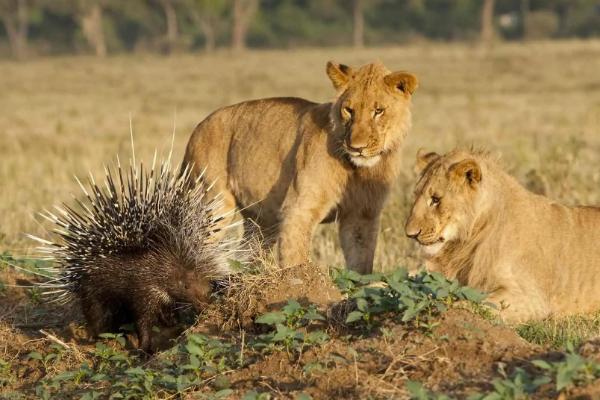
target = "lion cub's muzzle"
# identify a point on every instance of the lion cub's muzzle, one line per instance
(424, 238)
(358, 144)
(428, 240)
(362, 156)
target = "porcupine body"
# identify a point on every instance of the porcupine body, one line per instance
(135, 246)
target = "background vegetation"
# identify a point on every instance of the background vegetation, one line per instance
(536, 104)
(34, 27)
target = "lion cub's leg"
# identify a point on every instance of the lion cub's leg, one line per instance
(358, 237)
(296, 233)
(300, 216)
(515, 305)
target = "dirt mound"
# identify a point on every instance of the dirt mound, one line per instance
(306, 283)
(249, 296)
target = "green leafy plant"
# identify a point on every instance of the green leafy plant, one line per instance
(414, 299)
(519, 386)
(185, 367)
(254, 395)
(6, 375)
(54, 355)
(207, 355)
(574, 369)
(289, 327)
(418, 392)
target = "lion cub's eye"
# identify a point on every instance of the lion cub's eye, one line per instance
(434, 201)
(378, 111)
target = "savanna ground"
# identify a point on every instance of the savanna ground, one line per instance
(536, 104)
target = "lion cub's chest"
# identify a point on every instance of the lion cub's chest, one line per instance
(360, 193)
(365, 192)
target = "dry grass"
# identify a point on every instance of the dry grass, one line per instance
(538, 104)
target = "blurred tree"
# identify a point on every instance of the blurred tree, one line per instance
(243, 12)
(88, 14)
(207, 15)
(90, 17)
(290, 23)
(172, 31)
(583, 18)
(525, 7)
(137, 24)
(487, 22)
(67, 26)
(15, 17)
(445, 19)
(358, 26)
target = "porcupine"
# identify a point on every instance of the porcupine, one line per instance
(134, 248)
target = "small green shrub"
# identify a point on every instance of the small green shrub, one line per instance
(418, 392)
(571, 371)
(115, 371)
(288, 328)
(416, 299)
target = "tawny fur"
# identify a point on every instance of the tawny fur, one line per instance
(290, 164)
(535, 257)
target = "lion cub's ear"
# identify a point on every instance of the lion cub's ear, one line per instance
(424, 158)
(403, 81)
(466, 170)
(339, 74)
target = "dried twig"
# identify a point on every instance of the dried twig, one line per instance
(53, 338)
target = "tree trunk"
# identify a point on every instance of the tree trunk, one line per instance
(358, 27)
(524, 16)
(208, 31)
(563, 10)
(207, 26)
(487, 22)
(243, 11)
(17, 24)
(91, 25)
(171, 18)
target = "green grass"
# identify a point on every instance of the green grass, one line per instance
(558, 332)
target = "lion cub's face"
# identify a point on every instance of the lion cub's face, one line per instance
(372, 110)
(445, 199)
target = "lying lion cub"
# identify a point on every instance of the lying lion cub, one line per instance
(290, 164)
(478, 224)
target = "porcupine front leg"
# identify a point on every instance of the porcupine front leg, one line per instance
(99, 318)
(147, 308)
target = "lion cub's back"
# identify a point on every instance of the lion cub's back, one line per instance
(248, 145)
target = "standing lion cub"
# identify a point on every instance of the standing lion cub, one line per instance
(477, 224)
(290, 164)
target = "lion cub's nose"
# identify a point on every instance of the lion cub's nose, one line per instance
(413, 234)
(357, 147)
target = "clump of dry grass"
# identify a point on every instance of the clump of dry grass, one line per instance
(261, 285)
